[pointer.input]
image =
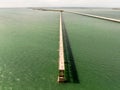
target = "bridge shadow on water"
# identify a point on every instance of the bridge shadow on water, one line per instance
(71, 71)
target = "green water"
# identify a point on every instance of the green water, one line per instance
(29, 42)
(95, 44)
(28, 49)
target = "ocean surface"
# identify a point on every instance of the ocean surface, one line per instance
(29, 43)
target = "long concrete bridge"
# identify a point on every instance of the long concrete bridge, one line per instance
(61, 76)
(94, 16)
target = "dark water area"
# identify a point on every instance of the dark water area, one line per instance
(29, 43)
(71, 71)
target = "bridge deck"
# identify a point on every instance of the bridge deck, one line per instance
(61, 77)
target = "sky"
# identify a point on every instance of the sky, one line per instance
(59, 3)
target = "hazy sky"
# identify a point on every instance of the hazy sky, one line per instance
(54, 3)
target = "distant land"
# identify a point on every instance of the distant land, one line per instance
(81, 7)
(115, 8)
(78, 8)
